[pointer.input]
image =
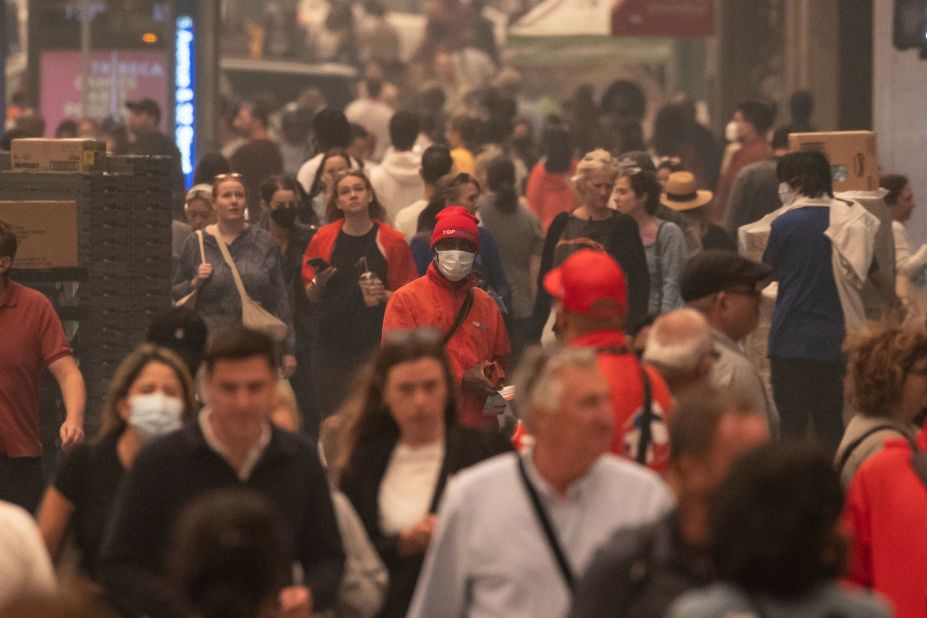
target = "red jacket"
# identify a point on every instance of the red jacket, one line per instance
(392, 244)
(432, 300)
(887, 508)
(623, 372)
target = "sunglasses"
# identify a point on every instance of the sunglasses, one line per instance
(230, 175)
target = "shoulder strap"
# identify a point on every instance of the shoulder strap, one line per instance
(199, 237)
(564, 566)
(461, 315)
(852, 446)
(228, 260)
(643, 444)
(646, 436)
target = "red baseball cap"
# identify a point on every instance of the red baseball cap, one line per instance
(589, 283)
(455, 222)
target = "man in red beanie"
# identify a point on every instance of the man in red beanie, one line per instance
(592, 303)
(446, 298)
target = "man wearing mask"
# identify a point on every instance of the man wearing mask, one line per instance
(446, 298)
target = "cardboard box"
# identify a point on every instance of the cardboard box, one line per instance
(854, 160)
(46, 233)
(58, 155)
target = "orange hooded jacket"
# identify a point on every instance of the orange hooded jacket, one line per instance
(433, 300)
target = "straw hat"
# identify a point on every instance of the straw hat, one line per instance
(681, 192)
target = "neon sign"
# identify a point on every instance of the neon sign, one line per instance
(184, 96)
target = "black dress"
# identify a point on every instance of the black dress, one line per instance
(345, 330)
(620, 236)
(89, 478)
(360, 482)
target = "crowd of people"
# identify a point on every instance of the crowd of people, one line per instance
(424, 365)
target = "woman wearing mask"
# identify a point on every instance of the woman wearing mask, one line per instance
(151, 394)
(255, 256)
(400, 449)
(320, 192)
(350, 269)
(286, 207)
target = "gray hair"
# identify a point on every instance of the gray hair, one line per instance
(678, 341)
(538, 377)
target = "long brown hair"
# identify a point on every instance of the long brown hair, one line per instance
(365, 412)
(126, 375)
(333, 213)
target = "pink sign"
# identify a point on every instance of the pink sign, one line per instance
(116, 76)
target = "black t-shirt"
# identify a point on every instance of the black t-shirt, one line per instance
(346, 257)
(89, 478)
(345, 323)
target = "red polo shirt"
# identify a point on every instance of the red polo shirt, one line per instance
(31, 338)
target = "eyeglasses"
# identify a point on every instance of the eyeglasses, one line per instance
(230, 175)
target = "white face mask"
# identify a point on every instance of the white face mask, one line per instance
(730, 131)
(786, 195)
(155, 414)
(455, 264)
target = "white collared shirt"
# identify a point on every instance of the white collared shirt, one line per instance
(489, 555)
(254, 454)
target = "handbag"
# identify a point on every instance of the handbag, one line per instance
(253, 315)
(190, 299)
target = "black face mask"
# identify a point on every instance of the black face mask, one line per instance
(284, 217)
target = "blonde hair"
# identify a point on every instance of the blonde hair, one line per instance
(598, 160)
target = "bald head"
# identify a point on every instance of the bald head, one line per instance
(679, 346)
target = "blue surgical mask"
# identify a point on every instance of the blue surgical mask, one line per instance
(155, 414)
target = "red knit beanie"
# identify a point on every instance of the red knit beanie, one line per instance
(455, 222)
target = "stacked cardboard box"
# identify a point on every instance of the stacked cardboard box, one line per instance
(123, 248)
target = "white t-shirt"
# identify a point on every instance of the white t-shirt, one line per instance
(409, 485)
(407, 219)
